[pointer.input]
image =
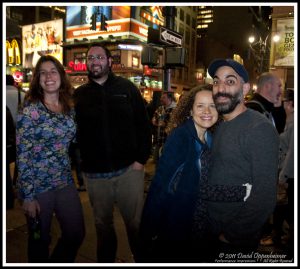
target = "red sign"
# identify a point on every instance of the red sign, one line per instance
(77, 66)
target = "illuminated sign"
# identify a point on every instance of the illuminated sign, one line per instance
(18, 76)
(13, 53)
(135, 61)
(81, 15)
(130, 47)
(120, 21)
(77, 66)
(114, 27)
(42, 39)
(157, 12)
(284, 48)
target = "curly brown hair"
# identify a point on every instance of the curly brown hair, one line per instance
(36, 92)
(183, 109)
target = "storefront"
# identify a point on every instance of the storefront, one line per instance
(126, 63)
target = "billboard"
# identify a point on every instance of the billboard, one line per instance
(42, 39)
(121, 20)
(284, 49)
(79, 15)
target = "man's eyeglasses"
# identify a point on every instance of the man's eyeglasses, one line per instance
(98, 57)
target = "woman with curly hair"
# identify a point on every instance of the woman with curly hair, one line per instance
(45, 129)
(175, 222)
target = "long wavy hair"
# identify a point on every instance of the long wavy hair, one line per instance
(183, 109)
(36, 92)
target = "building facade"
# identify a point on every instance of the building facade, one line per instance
(125, 33)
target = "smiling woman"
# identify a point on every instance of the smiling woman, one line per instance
(175, 224)
(45, 129)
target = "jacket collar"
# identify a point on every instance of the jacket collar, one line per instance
(189, 123)
(267, 104)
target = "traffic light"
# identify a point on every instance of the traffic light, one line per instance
(175, 57)
(150, 56)
(103, 26)
(93, 23)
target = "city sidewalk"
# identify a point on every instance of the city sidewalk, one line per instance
(16, 231)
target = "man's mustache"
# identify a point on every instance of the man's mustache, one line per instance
(220, 94)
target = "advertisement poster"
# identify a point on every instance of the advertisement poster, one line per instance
(284, 49)
(42, 39)
(120, 21)
(80, 15)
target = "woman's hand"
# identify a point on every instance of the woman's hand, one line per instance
(223, 239)
(31, 208)
(137, 166)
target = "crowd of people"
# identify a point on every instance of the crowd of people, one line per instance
(219, 163)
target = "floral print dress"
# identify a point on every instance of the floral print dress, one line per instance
(43, 140)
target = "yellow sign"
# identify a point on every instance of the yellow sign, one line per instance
(13, 52)
(284, 49)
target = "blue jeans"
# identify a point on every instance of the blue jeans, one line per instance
(127, 191)
(66, 205)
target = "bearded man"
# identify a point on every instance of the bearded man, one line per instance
(245, 149)
(114, 139)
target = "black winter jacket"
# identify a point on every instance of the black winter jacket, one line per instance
(113, 125)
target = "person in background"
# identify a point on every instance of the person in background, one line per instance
(45, 129)
(267, 96)
(160, 120)
(245, 149)
(14, 96)
(279, 116)
(14, 100)
(174, 223)
(10, 157)
(286, 175)
(285, 205)
(267, 100)
(114, 139)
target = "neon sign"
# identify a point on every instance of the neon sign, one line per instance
(77, 66)
(13, 52)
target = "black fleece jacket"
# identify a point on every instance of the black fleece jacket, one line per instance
(113, 125)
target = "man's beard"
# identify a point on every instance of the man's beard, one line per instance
(228, 107)
(99, 74)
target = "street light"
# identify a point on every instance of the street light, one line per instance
(260, 50)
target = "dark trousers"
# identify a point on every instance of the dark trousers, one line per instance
(218, 250)
(10, 197)
(290, 217)
(290, 193)
(279, 216)
(66, 205)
